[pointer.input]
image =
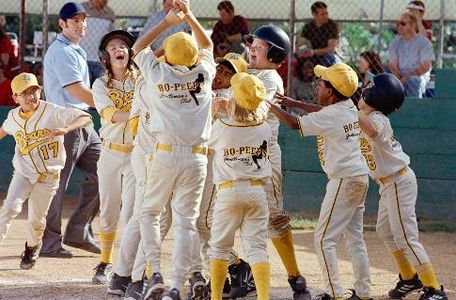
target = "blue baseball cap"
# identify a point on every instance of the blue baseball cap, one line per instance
(71, 9)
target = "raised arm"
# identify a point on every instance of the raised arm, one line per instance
(289, 102)
(79, 122)
(285, 117)
(367, 126)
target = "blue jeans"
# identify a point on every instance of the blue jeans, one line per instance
(415, 86)
(96, 70)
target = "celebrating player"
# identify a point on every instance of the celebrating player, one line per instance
(179, 85)
(388, 165)
(113, 94)
(241, 201)
(38, 128)
(335, 123)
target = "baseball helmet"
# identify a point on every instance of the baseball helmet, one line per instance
(386, 93)
(118, 34)
(278, 41)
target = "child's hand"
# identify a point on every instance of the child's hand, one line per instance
(181, 5)
(58, 131)
(172, 18)
(219, 105)
(284, 100)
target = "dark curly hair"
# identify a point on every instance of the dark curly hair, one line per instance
(375, 63)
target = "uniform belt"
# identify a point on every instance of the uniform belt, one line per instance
(195, 149)
(230, 184)
(44, 177)
(118, 147)
(386, 180)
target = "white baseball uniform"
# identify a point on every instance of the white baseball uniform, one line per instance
(240, 166)
(273, 84)
(337, 129)
(115, 176)
(388, 165)
(181, 102)
(37, 162)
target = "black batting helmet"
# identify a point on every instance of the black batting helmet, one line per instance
(118, 34)
(278, 41)
(386, 93)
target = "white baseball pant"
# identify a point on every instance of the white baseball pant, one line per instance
(117, 189)
(178, 171)
(242, 206)
(341, 213)
(396, 221)
(39, 195)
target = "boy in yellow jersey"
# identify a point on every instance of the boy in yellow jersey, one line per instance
(38, 128)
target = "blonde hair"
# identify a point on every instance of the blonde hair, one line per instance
(245, 116)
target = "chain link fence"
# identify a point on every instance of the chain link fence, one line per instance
(360, 32)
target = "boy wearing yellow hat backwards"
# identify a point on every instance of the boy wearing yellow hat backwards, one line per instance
(113, 94)
(335, 123)
(241, 166)
(180, 93)
(38, 128)
(388, 165)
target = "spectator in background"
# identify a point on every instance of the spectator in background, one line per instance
(302, 84)
(156, 18)
(100, 20)
(410, 56)
(319, 37)
(418, 9)
(7, 53)
(369, 63)
(229, 31)
(6, 94)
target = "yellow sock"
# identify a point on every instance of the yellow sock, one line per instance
(427, 275)
(285, 248)
(405, 267)
(262, 274)
(149, 271)
(219, 268)
(106, 246)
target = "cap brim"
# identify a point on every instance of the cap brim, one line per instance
(320, 72)
(222, 59)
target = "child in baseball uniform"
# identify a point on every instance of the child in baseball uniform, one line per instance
(179, 86)
(335, 123)
(113, 94)
(38, 128)
(389, 166)
(241, 166)
(269, 49)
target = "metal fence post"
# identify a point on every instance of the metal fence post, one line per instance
(22, 35)
(442, 34)
(45, 28)
(292, 41)
(380, 25)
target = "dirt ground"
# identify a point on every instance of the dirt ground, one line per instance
(71, 278)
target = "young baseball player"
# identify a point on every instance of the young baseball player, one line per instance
(38, 128)
(113, 94)
(179, 84)
(241, 166)
(335, 123)
(268, 51)
(388, 165)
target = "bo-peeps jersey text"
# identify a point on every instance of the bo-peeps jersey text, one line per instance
(337, 129)
(180, 98)
(36, 153)
(241, 151)
(383, 154)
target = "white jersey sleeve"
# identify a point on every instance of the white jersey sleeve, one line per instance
(8, 124)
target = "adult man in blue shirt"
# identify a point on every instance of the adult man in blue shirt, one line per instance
(66, 83)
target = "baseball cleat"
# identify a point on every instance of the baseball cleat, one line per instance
(29, 257)
(299, 286)
(242, 282)
(118, 284)
(153, 288)
(103, 273)
(405, 287)
(197, 289)
(172, 294)
(354, 296)
(433, 294)
(323, 296)
(134, 291)
(226, 289)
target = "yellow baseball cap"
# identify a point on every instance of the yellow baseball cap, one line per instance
(248, 90)
(181, 49)
(235, 60)
(341, 76)
(22, 82)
